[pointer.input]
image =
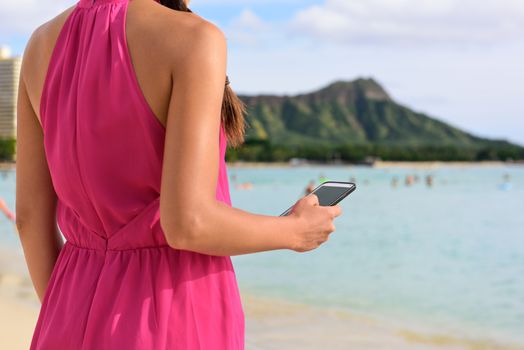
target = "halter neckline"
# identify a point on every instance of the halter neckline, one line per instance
(91, 3)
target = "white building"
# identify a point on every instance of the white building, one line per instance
(9, 75)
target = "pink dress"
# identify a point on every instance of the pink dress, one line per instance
(116, 283)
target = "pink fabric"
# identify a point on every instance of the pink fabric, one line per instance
(116, 283)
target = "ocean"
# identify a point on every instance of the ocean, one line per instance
(447, 258)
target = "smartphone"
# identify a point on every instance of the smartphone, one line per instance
(330, 193)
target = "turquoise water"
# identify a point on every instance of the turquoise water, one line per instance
(449, 257)
(8, 237)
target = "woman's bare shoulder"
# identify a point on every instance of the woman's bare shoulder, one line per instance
(184, 23)
(183, 33)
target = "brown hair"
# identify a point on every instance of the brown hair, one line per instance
(233, 109)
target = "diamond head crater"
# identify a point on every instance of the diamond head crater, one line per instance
(354, 121)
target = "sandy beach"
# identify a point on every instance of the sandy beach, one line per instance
(18, 302)
(271, 324)
(17, 321)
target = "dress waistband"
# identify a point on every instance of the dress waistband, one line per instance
(142, 231)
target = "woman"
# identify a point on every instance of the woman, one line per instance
(123, 116)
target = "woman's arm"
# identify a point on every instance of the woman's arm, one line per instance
(35, 195)
(190, 215)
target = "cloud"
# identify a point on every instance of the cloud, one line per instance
(412, 22)
(248, 20)
(247, 29)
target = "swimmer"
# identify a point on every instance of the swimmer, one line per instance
(409, 180)
(8, 213)
(309, 187)
(394, 182)
(429, 180)
(244, 186)
(506, 184)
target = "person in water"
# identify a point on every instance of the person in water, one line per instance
(310, 187)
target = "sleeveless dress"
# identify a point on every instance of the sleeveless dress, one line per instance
(116, 283)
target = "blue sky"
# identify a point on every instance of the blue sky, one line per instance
(457, 60)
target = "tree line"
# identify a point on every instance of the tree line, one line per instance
(265, 151)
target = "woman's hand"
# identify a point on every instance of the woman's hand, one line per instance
(316, 221)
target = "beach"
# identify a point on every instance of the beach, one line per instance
(271, 323)
(19, 304)
(17, 321)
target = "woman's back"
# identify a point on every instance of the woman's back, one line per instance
(150, 28)
(117, 283)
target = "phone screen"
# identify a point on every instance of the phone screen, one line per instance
(329, 195)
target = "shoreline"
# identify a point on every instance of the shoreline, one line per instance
(375, 165)
(271, 323)
(7, 165)
(288, 325)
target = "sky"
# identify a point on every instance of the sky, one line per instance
(461, 61)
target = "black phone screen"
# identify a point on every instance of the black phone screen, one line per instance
(327, 194)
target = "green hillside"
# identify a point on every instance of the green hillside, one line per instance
(353, 120)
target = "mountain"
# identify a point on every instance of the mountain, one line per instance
(358, 111)
(352, 113)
